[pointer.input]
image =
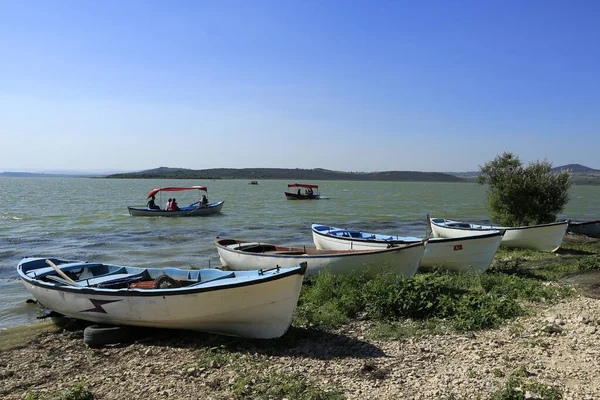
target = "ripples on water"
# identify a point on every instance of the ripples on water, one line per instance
(87, 219)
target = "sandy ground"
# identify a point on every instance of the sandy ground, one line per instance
(559, 346)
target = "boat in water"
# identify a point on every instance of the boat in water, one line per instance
(252, 304)
(459, 254)
(241, 255)
(199, 208)
(543, 237)
(307, 194)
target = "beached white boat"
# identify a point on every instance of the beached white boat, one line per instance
(240, 255)
(253, 304)
(193, 210)
(544, 237)
(588, 228)
(461, 254)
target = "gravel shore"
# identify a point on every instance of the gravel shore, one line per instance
(558, 346)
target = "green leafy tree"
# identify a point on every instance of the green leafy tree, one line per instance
(520, 196)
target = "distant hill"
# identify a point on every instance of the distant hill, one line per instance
(576, 168)
(288, 173)
(580, 174)
(466, 175)
(40, 175)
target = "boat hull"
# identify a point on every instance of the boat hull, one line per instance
(296, 196)
(588, 228)
(247, 305)
(545, 237)
(211, 208)
(402, 260)
(461, 254)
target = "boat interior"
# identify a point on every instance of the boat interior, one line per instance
(118, 277)
(454, 224)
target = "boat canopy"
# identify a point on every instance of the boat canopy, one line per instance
(302, 185)
(175, 189)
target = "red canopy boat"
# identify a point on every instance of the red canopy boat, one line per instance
(153, 192)
(308, 193)
(195, 209)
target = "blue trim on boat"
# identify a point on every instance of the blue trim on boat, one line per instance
(390, 239)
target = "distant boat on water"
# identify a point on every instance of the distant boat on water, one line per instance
(308, 193)
(193, 210)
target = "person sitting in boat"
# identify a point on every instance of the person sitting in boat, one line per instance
(168, 206)
(152, 205)
(204, 201)
(174, 206)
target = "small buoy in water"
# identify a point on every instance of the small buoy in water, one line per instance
(31, 301)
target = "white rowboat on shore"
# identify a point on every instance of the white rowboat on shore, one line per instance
(545, 237)
(461, 254)
(240, 255)
(252, 304)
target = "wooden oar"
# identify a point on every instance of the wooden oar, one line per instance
(61, 273)
(428, 230)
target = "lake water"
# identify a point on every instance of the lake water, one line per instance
(87, 219)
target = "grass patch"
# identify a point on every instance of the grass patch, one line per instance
(579, 244)
(588, 263)
(519, 387)
(524, 288)
(516, 330)
(215, 357)
(281, 386)
(77, 392)
(333, 300)
(463, 302)
(573, 258)
(504, 253)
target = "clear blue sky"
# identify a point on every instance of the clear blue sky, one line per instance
(344, 85)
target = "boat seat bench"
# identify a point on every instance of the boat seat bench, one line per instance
(237, 246)
(114, 278)
(230, 275)
(126, 278)
(41, 272)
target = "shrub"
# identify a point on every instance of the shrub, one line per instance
(390, 297)
(281, 386)
(475, 312)
(589, 263)
(329, 300)
(466, 301)
(520, 195)
(516, 388)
